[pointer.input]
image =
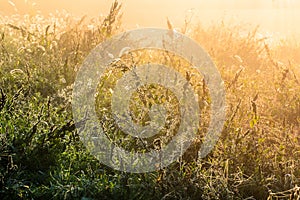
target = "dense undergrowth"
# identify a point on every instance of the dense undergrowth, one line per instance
(41, 156)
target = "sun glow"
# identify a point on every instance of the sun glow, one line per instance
(277, 16)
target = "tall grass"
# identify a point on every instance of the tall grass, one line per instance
(41, 156)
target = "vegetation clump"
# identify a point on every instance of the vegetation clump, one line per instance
(42, 157)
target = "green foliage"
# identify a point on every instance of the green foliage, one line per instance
(41, 156)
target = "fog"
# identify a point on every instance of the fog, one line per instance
(278, 17)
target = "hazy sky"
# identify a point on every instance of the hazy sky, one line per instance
(282, 16)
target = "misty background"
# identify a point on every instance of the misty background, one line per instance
(275, 17)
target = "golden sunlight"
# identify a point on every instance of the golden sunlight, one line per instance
(149, 99)
(276, 16)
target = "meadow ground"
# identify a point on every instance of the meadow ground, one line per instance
(42, 157)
